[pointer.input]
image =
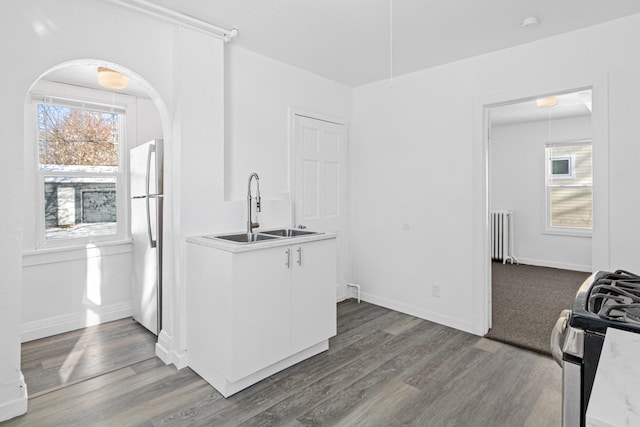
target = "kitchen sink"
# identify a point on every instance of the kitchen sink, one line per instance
(243, 237)
(289, 232)
(262, 236)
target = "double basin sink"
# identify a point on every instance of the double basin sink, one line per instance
(263, 235)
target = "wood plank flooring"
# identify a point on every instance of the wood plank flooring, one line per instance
(384, 368)
(61, 360)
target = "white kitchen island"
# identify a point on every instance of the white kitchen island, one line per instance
(254, 309)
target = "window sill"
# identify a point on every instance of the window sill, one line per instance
(78, 252)
(568, 232)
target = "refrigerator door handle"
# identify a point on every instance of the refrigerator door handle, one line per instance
(152, 242)
(152, 149)
(150, 153)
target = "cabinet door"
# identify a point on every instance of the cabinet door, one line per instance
(313, 290)
(261, 321)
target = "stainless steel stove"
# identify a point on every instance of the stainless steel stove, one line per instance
(605, 300)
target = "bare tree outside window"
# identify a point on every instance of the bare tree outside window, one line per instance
(77, 137)
(78, 154)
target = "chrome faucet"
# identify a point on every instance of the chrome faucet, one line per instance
(250, 224)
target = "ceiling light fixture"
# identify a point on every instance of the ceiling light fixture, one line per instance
(547, 102)
(530, 22)
(111, 79)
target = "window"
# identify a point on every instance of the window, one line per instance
(78, 162)
(80, 176)
(561, 167)
(569, 187)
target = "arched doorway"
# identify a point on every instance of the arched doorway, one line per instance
(77, 245)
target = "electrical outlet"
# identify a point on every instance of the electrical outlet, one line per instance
(435, 290)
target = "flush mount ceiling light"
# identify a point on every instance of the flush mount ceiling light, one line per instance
(111, 79)
(530, 22)
(547, 102)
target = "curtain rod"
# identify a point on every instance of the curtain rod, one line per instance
(178, 18)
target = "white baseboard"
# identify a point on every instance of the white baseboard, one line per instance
(450, 321)
(553, 264)
(72, 321)
(166, 352)
(18, 405)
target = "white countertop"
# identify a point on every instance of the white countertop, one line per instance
(615, 398)
(228, 246)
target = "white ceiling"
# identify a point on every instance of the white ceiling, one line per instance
(572, 104)
(348, 40)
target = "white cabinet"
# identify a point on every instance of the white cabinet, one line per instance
(255, 312)
(313, 296)
(261, 316)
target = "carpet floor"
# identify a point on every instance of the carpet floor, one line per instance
(527, 301)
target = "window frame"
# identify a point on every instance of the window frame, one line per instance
(79, 97)
(555, 230)
(570, 159)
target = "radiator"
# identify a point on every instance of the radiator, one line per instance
(502, 236)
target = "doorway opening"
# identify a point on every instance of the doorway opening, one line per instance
(79, 259)
(540, 200)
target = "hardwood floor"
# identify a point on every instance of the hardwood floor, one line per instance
(61, 360)
(383, 368)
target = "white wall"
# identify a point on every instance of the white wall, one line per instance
(260, 93)
(148, 122)
(517, 183)
(185, 71)
(68, 290)
(417, 168)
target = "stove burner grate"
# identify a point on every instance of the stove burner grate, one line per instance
(616, 296)
(633, 313)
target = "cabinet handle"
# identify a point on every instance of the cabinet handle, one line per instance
(288, 263)
(299, 250)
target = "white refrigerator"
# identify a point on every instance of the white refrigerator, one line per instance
(146, 186)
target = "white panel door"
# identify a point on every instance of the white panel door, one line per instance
(320, 181)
